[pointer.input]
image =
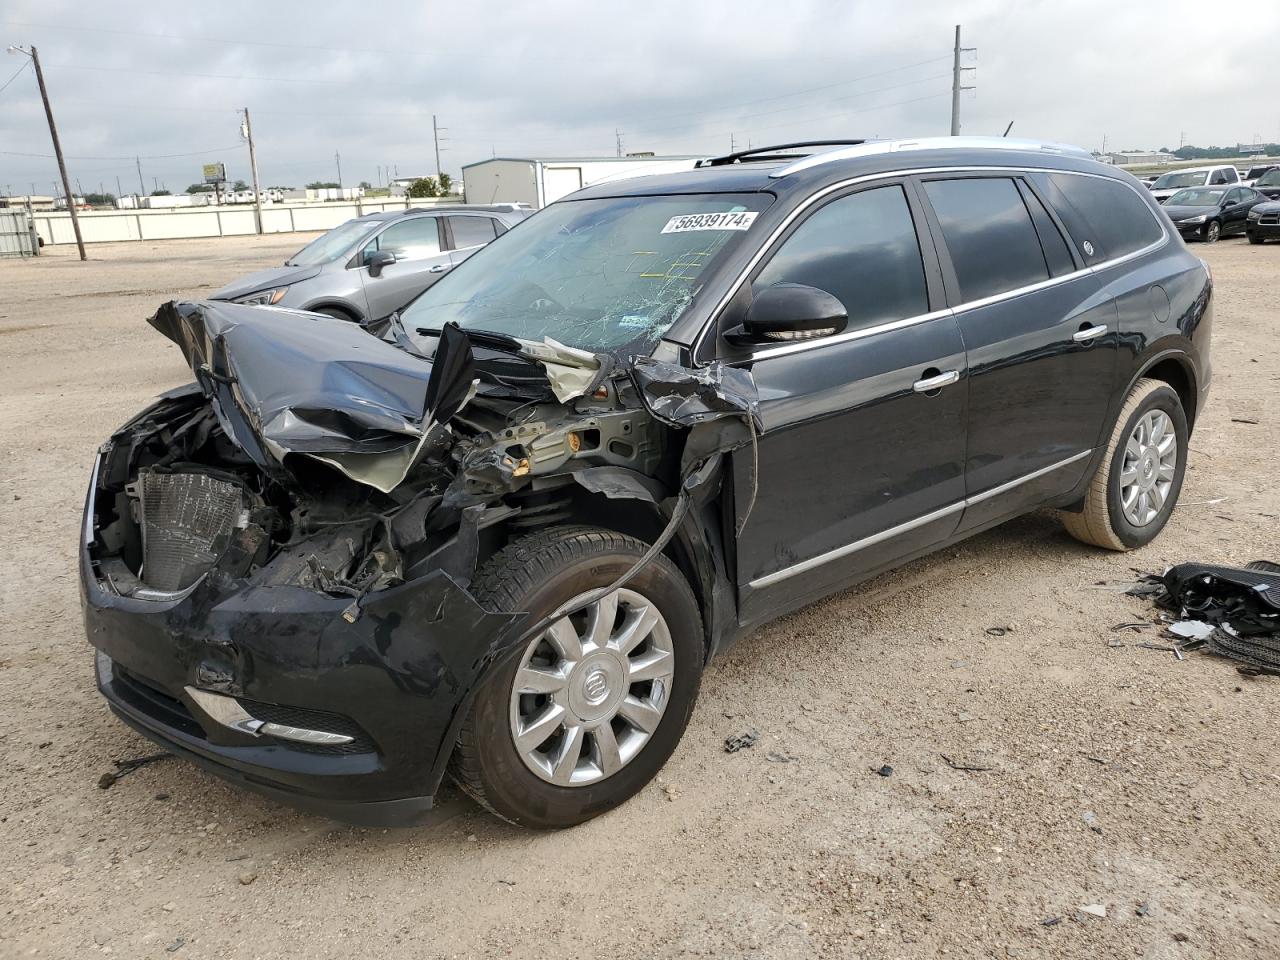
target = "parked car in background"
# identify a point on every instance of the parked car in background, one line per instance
(1209, 213)
(660, 413)
(1167, 184)
(367, 268)
(1269, 184)
(1253, 173)
(1263, 223)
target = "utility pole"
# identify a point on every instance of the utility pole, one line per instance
(142, 189)
(617, 134)
(435, 135)
(337, 158)
(733, 146)
(119, 189)
(957, 83)
(57, 145)
(253, 168)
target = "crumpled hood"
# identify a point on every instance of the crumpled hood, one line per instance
(264, 280)
(287, 382)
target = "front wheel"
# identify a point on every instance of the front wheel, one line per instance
(588, 711)
(1256, 239)
(1212, 231)
(1137, 484)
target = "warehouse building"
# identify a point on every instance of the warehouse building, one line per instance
(539, 181)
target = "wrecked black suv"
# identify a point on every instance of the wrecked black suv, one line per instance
(504, 540)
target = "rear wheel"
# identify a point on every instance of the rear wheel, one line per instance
(590, 709)
(1212, 231)
(1137, 484)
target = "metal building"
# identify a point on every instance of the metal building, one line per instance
(539, 181)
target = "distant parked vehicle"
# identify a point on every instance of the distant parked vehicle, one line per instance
(1269, 184)
(367, 268)
(1253, 173)
(1263, 223)
(1209, 213)
(1166, 185)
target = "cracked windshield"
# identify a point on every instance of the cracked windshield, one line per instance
(602, 275)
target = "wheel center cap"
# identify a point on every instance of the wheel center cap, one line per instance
(596, 687)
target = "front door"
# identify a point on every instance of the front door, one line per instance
(861, 461)
(421, 260)
(1041, 337)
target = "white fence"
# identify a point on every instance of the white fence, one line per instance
(102, 226)
(16, 238)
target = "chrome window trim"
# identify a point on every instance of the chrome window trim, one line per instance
(822, 559)
(781, 228)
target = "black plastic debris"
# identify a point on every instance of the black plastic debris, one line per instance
(741, 741)
(885, 771)
(1234, 611)
(126, 767)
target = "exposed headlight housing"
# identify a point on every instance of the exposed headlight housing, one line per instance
(264, 298)
(1200, 219)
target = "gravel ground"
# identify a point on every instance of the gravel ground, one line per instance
(793, 848)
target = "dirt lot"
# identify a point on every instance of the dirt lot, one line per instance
(726, 855)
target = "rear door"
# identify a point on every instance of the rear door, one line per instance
(467, 233)
(421, 260)
(1041, 341)
(1235, 213)
(861, 462)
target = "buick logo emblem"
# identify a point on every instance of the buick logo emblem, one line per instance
(596, 686)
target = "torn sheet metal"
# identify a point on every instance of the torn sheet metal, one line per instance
(284, 382)
(681, 396)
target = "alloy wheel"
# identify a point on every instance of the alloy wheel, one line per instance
(591, 690)
(1212, 232)
(1149, 467)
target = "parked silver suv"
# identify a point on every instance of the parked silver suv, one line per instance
(367, 268)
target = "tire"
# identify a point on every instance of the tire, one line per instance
(538, 573)
(1258, 240)
(337, 313)
(1104, 522)
(1212, 231)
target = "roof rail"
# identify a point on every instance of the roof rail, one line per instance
(873, 148)
(766, 153)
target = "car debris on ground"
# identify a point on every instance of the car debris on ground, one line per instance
(1230, 611)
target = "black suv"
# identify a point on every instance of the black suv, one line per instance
(504, 540)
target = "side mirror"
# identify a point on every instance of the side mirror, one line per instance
(377, 260)
(790, 311)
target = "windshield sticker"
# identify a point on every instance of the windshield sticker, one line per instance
(634, 321)
(687, 223)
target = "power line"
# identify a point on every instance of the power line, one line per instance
(25, 64)
(165, 156)
(203, 76)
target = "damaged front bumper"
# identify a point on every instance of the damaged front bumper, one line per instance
(392, 685)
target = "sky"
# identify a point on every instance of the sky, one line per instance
(164, 81)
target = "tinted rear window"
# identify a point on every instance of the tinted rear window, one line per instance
(1108, 214)
(989, 234)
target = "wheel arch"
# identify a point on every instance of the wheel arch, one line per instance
(341, 306)
(1175, 368)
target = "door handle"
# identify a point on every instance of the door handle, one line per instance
(441, 268)
(929, 384)
(1088, 333)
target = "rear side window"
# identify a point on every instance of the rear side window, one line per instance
(1056, 253)
(989, 234)
(471, 231)
(410, 239)
(862, 249)
(1108, 215)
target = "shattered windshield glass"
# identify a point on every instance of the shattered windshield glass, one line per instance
(601, 275)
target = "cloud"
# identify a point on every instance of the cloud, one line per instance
(150, 79)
